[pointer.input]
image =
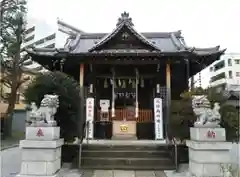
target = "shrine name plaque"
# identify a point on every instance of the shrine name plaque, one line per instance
(124, 130)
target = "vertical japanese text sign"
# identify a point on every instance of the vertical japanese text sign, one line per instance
(158, 118)
(90, 116)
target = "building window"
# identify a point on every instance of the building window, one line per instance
(50, 46)
(218, 77)
(229, 62)
(39, 42)
(53, 36)
(219, 65)
(29, 30)
(230, 74)
(238, 74)
(237, 61)
(30, 38)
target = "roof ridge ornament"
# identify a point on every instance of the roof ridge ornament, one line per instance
(125, 19)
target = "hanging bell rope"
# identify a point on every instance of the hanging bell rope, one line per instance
(105, 84)
(124, 84)
(142, 83)
(133, 84)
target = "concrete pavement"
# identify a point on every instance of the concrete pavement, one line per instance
(11, 162)
(110, 173)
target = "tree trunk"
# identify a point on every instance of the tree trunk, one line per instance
(10, 110)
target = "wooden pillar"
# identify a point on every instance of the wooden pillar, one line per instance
(136, 101)
(82, 110)
(113, 94)
(188, 74)
(92, 81)
(168, 85)
(192, 83)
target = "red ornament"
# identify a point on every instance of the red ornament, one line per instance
(40, 132)
(211, 134)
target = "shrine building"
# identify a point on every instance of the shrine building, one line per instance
(127, 78)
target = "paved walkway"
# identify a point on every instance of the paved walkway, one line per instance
(8, 143)
(111, 173)
(10, 162)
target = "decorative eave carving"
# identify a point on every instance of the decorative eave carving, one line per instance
(125, 19)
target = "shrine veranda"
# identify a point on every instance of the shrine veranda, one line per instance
(127, 78)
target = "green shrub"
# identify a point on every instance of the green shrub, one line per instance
(181, 119)
(182, 116)
(67, 89)
(230, 121)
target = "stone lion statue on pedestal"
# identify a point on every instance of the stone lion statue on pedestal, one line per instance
(206, 117)
(44, 115)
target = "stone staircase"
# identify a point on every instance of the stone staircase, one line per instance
(126, 157)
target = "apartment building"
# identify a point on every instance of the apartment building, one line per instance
(31, 40)
(224, 76)
(36, 37)
(225, 73)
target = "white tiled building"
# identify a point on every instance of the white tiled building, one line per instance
(224, 75)
(55, 37)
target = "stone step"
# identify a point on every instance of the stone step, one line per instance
(91, 161)
(125, 153)
(124, 147)
(127, 167)
(128, 157)
(124, 137)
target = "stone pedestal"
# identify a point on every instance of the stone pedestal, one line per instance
(208, 151)
(41, 152)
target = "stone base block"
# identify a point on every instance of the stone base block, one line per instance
(207, 134)
(42, 133)
(206, 158)
(55, 175)
(40, 168)
(209, 156)
(29, 144)
(41, 154)
(124, 137)
(205, 170)
(206, 146)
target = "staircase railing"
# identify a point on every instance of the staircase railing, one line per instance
(175, 153)
(80, 145)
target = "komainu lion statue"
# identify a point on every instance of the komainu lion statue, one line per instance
(44, 115)
(206, 117)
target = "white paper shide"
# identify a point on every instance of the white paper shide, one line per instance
(158, 118)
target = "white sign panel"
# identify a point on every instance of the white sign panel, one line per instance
(89, 132)
(158, 118)
(104, 104)
(89, 117)
(90, 109)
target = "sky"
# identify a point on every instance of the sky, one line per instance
(204, 23)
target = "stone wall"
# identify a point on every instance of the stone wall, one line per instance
(235, 156)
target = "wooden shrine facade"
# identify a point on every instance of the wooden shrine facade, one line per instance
(129, 69)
